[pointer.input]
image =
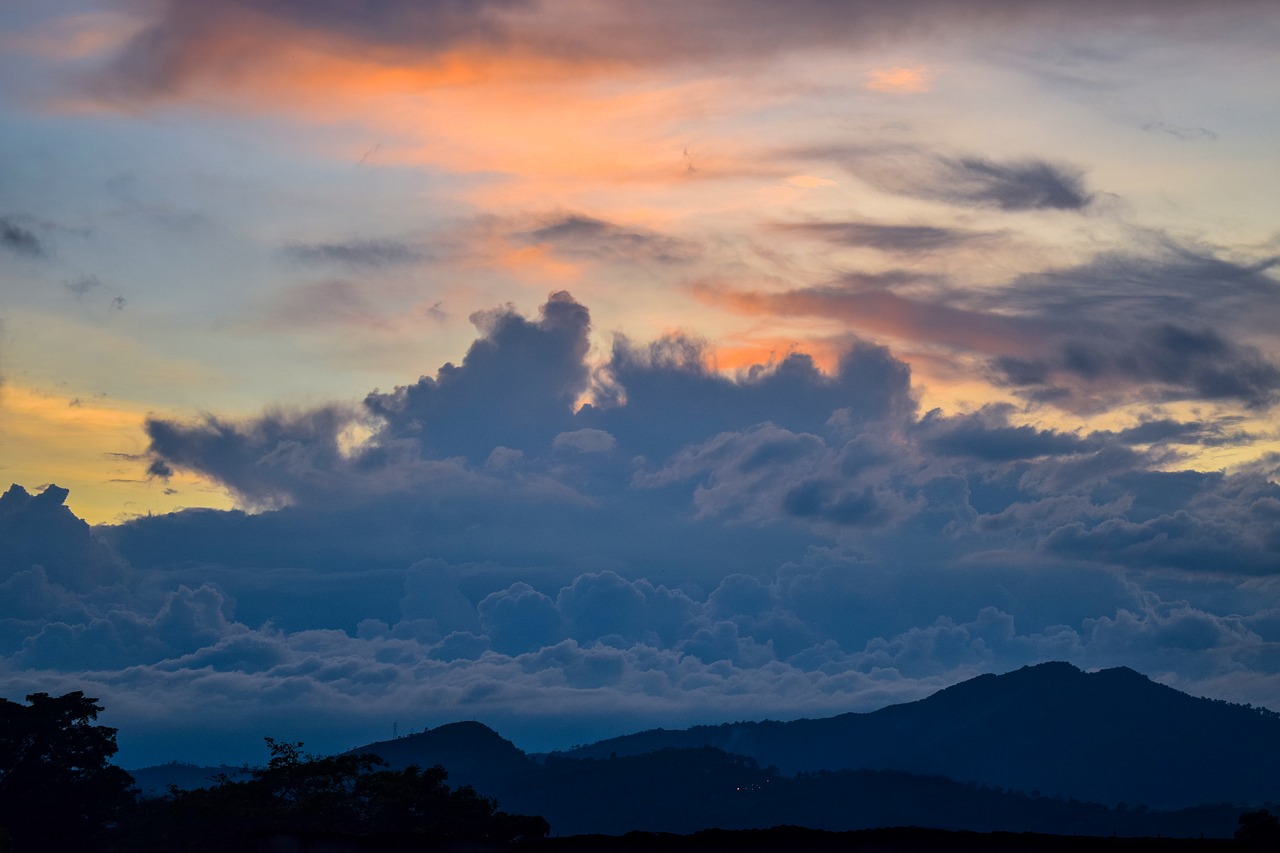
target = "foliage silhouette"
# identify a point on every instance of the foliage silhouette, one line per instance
(1260, 830)
(57, 787)
(347, 795)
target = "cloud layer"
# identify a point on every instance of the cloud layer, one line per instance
(683, 547)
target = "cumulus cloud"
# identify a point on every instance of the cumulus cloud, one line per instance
(41, 531)
(495, 445)
(516, 386)
(727, 655)
(689, 547)
(187, 620)
(660, 397)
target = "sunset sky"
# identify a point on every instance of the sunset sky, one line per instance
(580, 366)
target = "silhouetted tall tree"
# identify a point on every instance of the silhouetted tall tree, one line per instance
(58, 789)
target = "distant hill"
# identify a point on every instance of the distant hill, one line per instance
(1043, 749)
(474, 755)
(687, 790)
(1111, 736)
(155, 781)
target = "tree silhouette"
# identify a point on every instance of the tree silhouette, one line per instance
(57, 787)
(348, 795)
(1260, 830)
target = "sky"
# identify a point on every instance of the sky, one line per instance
(582, 366)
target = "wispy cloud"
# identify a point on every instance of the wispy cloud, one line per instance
(895, 239)
(356, 253)
(20, 240)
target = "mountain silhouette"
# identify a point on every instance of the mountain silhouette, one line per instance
(1109, 737)
(1044, 749)
(471, 752)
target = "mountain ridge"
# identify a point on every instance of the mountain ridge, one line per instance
(1048, 728)
(1044, 748)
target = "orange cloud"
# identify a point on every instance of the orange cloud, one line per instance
(539, 262)
(881, 313)
(510, 105)
(900, 79)
(809, 182)
(734, 358)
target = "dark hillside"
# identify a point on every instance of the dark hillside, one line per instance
(1111, 736)
(472, 753)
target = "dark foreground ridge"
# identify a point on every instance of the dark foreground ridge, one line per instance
(779, 839)
(884, 840)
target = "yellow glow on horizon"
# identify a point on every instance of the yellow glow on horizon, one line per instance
(93, 446)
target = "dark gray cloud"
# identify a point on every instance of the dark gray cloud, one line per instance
(20, 240)
(1014, 185)
(1144, 334)
(659, 397)
(896, 239)
(964, 181)
(988, 435)
(40, 530)
(516, 387)
(1174, 322)
(1163, 281)
(1169, 431)
(584, 236)
(1023, 185)
(1181, 362)
(267, 462)
(356, 253)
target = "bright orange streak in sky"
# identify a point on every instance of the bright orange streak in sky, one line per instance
(900, 79)
(886, 314)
